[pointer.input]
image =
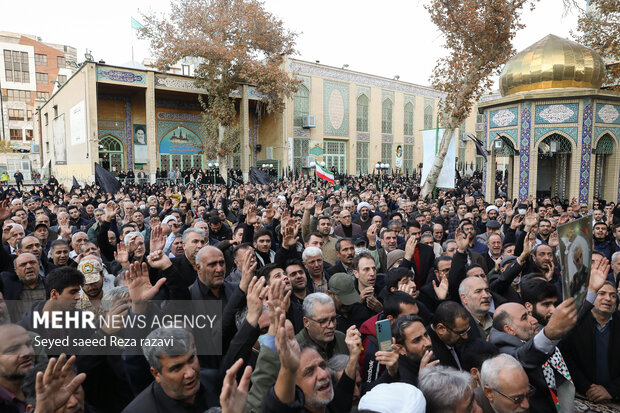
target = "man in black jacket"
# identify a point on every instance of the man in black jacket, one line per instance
(414, 351)
(514, 333)
(591, 348)
(180, 384)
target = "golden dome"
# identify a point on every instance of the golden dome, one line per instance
(552, 62)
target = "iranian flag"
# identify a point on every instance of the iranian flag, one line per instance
(323, 174)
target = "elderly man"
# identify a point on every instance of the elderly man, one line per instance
(345, 251)
(313, 261)
(514, 333)
(180, 384)
(24, 284)
(365, 219)
(447, 390)
(304, 378)
(505, 386)
(347, 229)
(77, 240)
(476, 298)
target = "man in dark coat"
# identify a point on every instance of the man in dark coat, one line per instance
(195, 390)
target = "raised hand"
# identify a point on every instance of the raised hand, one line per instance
(234, 397)
(289, 235)
(158, 260)
(530, 220)
(462, 243)
(121, 255)
(256, 292)
(110, 211)
(598, 274)
(372, 234)
(286, 343)
(353, 341)
(563, 319)
(118, 312)
(139, 284)
(278, 298)
(189, 218)
(158, 239)
(554, 240)
(51, 390)
(4, 211)
(389, 359)
(248, 266)
(310, 202)
(425, 362)
(251, 218)
(441, 289)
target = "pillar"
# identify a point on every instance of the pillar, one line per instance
(246, 151)
(151, 126)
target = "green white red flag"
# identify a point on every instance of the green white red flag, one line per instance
(323, 174)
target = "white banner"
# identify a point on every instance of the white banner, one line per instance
(430, 138)
(77, 119)
(60, 145)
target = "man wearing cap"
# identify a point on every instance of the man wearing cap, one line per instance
(347, 301)
(365, 219)
(92, 290)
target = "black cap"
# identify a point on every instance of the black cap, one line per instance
(493, 224)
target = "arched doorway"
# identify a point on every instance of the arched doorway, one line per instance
(554, 160)
(602, 153)
(111, 154)
(503, 154)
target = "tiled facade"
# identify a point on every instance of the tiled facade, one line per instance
(575, 117)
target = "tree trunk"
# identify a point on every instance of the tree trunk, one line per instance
(222, 159)
(433, 175)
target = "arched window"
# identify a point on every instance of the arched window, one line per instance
(362, 113)
(428, 117)
(386, 116)
(111, 154)
(301, 104)
(409, 119)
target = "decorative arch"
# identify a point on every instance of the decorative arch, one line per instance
(603, 132)
(115, 143)
(565, 135)
(112, 152)
(507, 136)
(509, 146)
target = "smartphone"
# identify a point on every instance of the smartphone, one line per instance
(384, 335)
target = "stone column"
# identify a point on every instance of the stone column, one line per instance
(246, 151)
(151, 126)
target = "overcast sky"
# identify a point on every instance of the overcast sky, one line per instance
(387, 38)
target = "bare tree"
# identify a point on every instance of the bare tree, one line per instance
(478, 34)
(236, 41)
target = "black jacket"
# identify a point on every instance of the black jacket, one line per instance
(579, 350)
(427, 259)
(532, 360)
(154, 400)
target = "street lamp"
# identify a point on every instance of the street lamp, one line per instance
(215, 167)
(382, 167)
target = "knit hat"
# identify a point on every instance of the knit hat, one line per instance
(394, 256)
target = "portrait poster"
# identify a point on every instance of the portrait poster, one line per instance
(398, 160)
(140, 144)
(576, 257)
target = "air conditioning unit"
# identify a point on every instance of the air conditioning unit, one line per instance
(306, 161)
(309, 121)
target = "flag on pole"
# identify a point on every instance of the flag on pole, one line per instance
(75, 185)
(135, 24)
(324, 175)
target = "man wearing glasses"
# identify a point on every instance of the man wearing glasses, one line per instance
(448, 330)
(505, 386)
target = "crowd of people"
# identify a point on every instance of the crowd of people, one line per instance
(470, 294)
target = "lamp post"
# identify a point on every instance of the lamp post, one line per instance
(214, 167)
(381, 167)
